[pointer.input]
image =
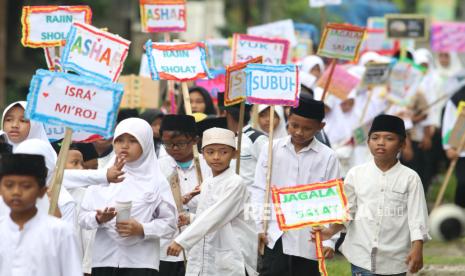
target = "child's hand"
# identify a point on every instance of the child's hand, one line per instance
(106, 215)
(188, 197)
(130, 227)
(262, 238)
(115, 171)
(174, 249)
(415, 257)
(328, 252)
(452, 154)
(326, 233)
(184, 219)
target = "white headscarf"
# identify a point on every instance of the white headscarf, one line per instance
(454, 67)
(36, 130)
(310, 61)
(280, 130)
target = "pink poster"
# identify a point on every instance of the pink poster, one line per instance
(448, 37)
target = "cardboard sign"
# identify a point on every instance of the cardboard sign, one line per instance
(94, 53)
(273, 50)
(213, 85)
(310, 205)
(322, 3)
(458, 131)
(280, 29)
(341, 41)
(235, 91)
(163, 15)
(448, 37)
(80, 103)
(376, 73)
(56, 133)
(272, 84)
(342, 82)
(139, 92)
(403, 81)
(219, 53)
(360, 134)
(403, 26)
(177, 61)
(47, 26)
(52, 57)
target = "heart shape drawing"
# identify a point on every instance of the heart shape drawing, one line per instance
(45, 94)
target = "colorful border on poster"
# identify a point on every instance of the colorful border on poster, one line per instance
(26, 26)
(341, 27)
(169, 29)
(232, 68)
(253, 38)
(336, 183)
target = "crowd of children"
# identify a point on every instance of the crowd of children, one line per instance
(134, 204)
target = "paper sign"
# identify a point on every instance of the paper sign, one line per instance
(376, 73)
(272, 84)
(279, 29)
(322, 3)
(163, 15)
(310, 205)
(273, 50)
(402, 26)
(360, 134)
(341, 41)
(235, 91)
(403, 81)
(94, 53)
(80, 103)
(213, 85)
(219, 53)
(458, 131)
(52, 57)
(448, 37)
(177, 61)
(140, 92)
(56, 133)
(342, 82)
(47, 26)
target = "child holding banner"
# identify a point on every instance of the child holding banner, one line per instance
(221, 239)
(298, 159)
(179, 135)
(387, 206)
(33, 243)
(129, 244)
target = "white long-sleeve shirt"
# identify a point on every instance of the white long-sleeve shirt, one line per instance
(314, 163)
(222, 239)
(45, 246)
(388, 211)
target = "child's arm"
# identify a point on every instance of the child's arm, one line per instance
(415, 257)
(417, 211)
(164, 223)
(69, 255)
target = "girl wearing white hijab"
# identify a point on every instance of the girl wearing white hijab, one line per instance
(448, 64)
(264, 121)
(36, 129)
(130, 246)
(312, 68)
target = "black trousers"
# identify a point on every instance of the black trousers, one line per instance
(460, 175)
(276, 263)
(115, 271)
(171, 269)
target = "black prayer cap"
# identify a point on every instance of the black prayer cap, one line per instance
(211, 122)
(181, 123)
(388, 123)
(24, 164)
(87, 149)
(309, 108)
(221, 106)
(151, 114)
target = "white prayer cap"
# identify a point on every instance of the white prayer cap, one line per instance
(218, 135)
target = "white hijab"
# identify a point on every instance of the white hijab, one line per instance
(280, 130)
(454, 67)
(310, 61)
(36, 130)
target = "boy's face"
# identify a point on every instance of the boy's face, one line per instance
(20, 192)
(180, 147)
(302, 130)
(15, 125)
(75, 160)
(384, 145)
(127, 147)
(218, 157)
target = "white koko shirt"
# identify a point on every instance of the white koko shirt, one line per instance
(389, 212)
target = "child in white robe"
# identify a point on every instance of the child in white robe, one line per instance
(221, 239)
(32, 243)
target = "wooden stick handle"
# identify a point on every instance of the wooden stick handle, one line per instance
(365, 107)
(328, 81)
(268, 178)
(57, 178)
(239, 137)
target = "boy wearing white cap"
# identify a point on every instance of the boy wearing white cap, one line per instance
(221, 239)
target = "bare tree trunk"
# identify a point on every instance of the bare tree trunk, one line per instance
(3, 35)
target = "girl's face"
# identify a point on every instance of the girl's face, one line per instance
(444, 59)
(264, 120)
(15, 125)
(75, 160)
(316, 71)
(127, 147)
(197, 102)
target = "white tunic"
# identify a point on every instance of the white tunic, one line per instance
(314, 163)
(389, 212)
(46, 246)
(221, 240)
